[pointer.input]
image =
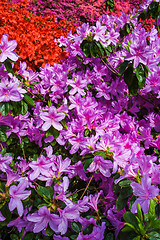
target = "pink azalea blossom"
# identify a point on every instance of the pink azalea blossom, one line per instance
(52, 118)
(144, 191)
(18, 193)
(7, 48)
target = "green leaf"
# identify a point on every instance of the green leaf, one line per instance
(29, 100)
(127, 228)
(64, 124)
(139, 212)
(131, 80)
(137, 238)
(153, 236)
(3, 136)
(73, 237)
(49, 231)
(125, 183)
(29, 236)
(122, 67)
(100, 153)
(43, 191)
(94, 49)
(109, 236)
(87, 163)
(100, 48)
(140, 76)
(151, 211)
(129, 225)
(126, 192)
(131, 218)
(4, 127)
(24, 107)
(8, 66)
(88, 229)
(85, 46)
(4, 108)
(121, 203)
(76, 226)
(155, 224)
(14, 237)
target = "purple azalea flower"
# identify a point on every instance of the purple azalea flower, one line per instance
(144, 192)
(18, 193)
(139, 52)
(52, 118)
(94, 201)
(41, 166)
(42, 217)
(68, 213)
(99, 163)
(114, 217)
(7, 48)
(11, 92)
(97, 233)
(4, 162)
(58, 237)
(1, 217)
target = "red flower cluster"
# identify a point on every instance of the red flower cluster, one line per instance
(34, 34)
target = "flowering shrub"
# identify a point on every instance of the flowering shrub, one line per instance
(80, 11)
(80, 141)
(34, 34)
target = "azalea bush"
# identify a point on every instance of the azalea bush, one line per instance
(80, 11)
(34, 34)
(79, 141)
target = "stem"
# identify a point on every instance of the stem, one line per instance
(87, 186)
(111, 69)
(157, 26)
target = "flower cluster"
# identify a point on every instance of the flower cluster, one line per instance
(34, 34)
(79, 11)
(79, 141)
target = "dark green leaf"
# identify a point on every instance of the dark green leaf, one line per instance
(130, 218)
(155, 224)
(8, 66)
(140, 76)
(131, 80)
(85, 46)
(4, 108)
(137, 238)
(125, 183)
(24, 107)
(73, 237)
(88, 229)
(49, 231)
(76, 226)
(126, 192)
(29, 236)
(122, 67)
(4, 127)
(29, 100)
(14, 237)
(109, 236)
(87, 163)
(121, 203)
(153, 236)
(3, 136)
(94, 49)
(43, 191)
